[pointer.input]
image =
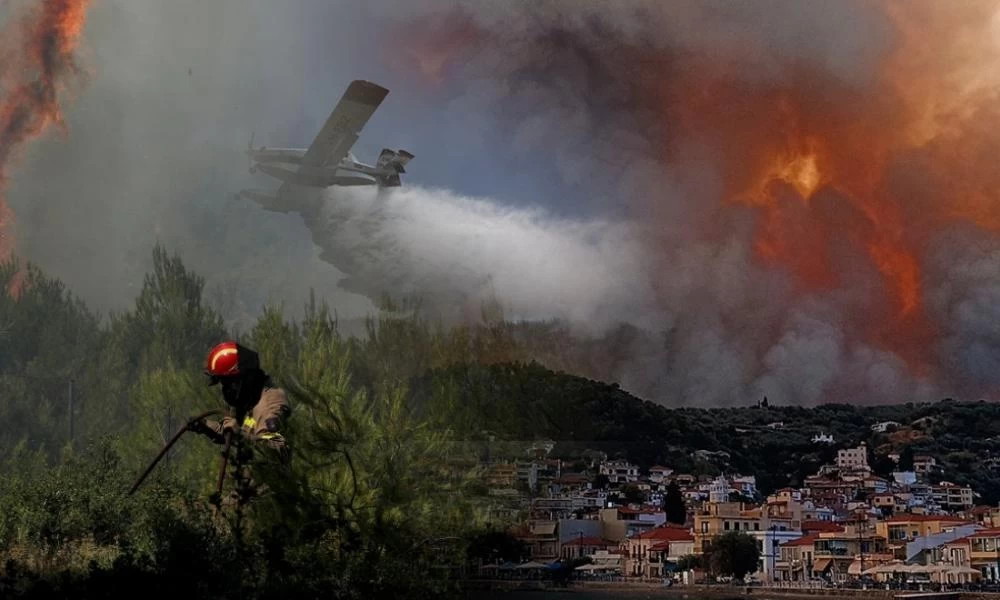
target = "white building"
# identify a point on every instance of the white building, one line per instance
(745, 484)
(660, 474)
(769, 543)
(589, 499)
(620, 471)
(951, 496)
(822, 438)
(719, 490)
(853, 459)
(884, 426)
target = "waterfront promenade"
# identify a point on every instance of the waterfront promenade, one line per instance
(528, 590)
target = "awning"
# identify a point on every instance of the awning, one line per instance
(821, 564)
(855, 567)
(896, 566)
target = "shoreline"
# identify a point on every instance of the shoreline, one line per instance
(531, 589)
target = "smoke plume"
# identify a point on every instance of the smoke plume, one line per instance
(791, 173)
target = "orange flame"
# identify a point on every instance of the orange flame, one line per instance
(818, 158)
(30, 84)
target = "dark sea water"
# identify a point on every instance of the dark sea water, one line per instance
(562, 595)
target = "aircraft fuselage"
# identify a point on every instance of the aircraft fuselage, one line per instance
(314, 177)
(286, 164)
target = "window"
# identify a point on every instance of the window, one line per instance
(725, 525)
(756, 526)
(704, 527)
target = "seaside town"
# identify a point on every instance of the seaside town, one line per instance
(845, 527)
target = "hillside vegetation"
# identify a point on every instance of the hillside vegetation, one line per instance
(530, 402)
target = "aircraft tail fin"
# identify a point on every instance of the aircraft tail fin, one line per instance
(392, 164)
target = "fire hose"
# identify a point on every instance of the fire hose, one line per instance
(174, 439)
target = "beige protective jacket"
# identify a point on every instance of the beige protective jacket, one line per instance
(263, 424)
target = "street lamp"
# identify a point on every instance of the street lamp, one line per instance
(771, 548)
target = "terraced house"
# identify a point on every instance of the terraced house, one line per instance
(841, 555)
(980, 551)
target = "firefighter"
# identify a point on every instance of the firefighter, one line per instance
(248, 390)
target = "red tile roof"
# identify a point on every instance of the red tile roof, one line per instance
(806, 540)
(818, 526)
(669, 534)
(911, 518)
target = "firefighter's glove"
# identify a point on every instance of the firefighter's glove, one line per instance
(229, 424)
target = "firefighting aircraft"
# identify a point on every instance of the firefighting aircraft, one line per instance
(328, 161)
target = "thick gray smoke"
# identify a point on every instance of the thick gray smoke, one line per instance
(546, 174)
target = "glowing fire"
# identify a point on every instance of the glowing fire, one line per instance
(798, 169)
(936, 96)
(30, 82)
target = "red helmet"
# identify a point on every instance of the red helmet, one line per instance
(229, 359)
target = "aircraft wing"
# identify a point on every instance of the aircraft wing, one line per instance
(342, 129)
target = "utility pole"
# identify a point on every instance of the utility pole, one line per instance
(769, 570)
(70, 403)
(861, 548)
